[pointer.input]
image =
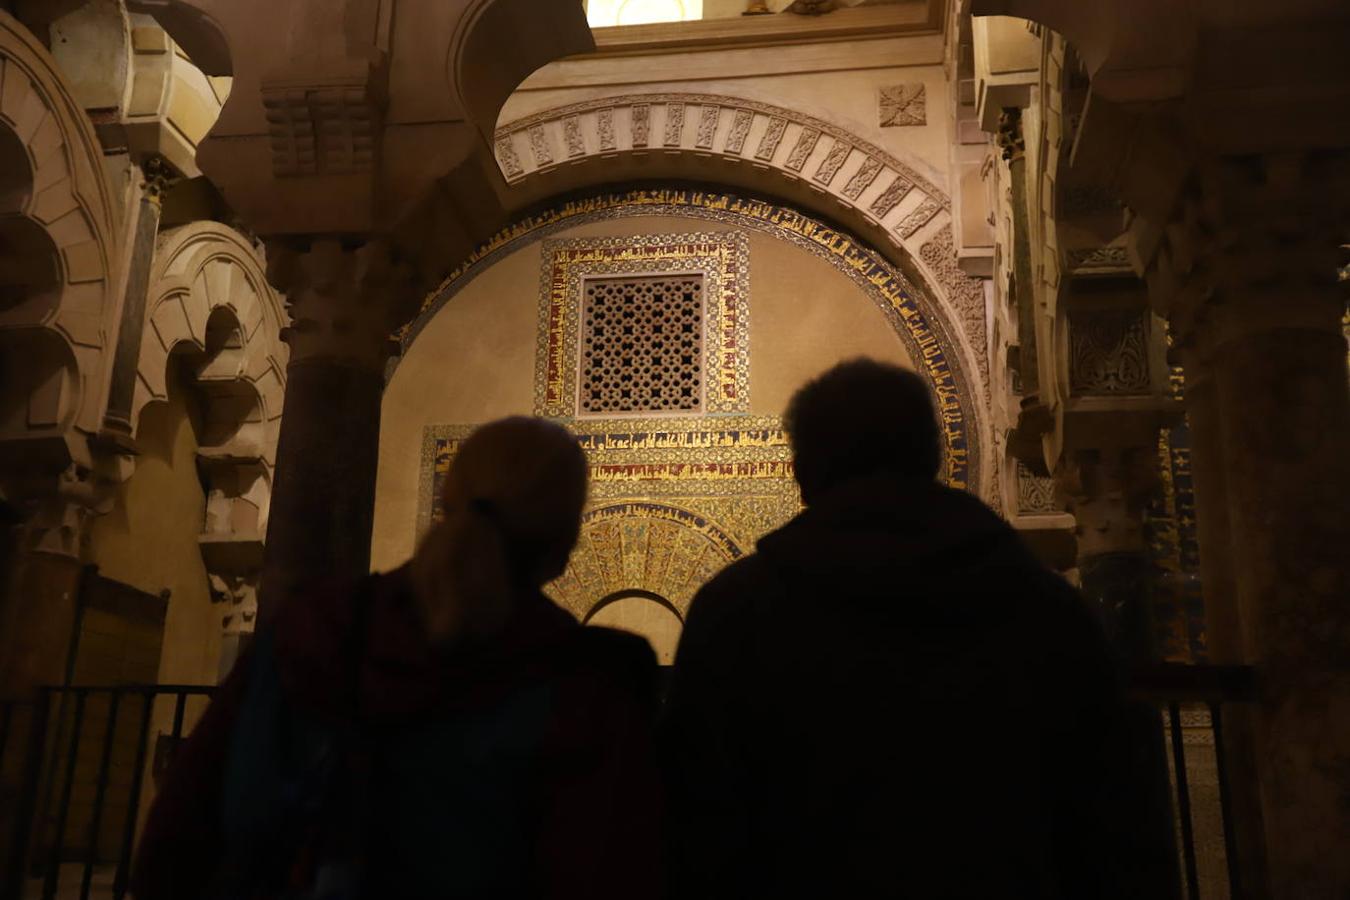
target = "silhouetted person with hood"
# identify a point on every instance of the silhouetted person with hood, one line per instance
(443, 730)
(892, 697)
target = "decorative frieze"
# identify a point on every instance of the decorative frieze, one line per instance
(576, 145)
(890, 198)
(641, 124)
(863, 178)
(543, 156)
(768, 144)
(740, 129)
(507, 158)
(833, 161)
(806, 142)
(1108, 351)
(707, 126)
(965, 294)
(919, 217)
(1035, 493)
(674, 124)
(604, 124)
(673, 500)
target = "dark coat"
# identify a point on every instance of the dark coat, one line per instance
(520, 768)
(893, 698)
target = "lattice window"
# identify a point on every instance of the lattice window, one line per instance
(642, 345)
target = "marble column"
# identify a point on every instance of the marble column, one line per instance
(1248, 276)
(344, 302)
(1223, 630)
(127, 358)
(1107, 487)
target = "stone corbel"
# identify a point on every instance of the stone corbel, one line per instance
(238, 495)
(58, 485)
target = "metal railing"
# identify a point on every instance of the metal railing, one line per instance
(52, 749)
(1173, 688)
(53, 752)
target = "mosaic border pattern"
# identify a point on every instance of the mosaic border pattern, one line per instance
(722, 258)
(923, 331)
(672, 501)
(710, 458)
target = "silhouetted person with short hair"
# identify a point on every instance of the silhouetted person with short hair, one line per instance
(443, 730)
(892, 697)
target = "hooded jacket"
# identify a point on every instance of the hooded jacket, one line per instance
(892, 698)
(521, 766)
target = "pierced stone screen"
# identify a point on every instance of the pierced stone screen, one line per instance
(642, 345)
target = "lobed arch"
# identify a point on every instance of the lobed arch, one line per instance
(209, 296)
(59, 245)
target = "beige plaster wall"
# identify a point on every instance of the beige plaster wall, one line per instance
(474, 360)
(149, 539)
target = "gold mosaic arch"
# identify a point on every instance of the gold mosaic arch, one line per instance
(932, 344)
(659, 547)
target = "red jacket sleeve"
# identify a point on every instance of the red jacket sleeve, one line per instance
(177, 854)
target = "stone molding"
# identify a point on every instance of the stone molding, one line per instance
(201, 269)
(731, 121)
(57, 214)
(872, 189)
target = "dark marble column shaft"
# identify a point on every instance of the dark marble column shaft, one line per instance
(1285, 433)
(1223, 627)
(127, 358)
(344, 300)
(323, 489)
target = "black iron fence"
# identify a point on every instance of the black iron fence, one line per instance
(1192, 700)
(73, 764)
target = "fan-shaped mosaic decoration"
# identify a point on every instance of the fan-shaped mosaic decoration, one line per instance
(657, 547)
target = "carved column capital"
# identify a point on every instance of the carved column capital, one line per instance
(1009, 138)
(159, 177)
(1106, 489)
(1248, 229)
(344, 301)
(58, 503)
